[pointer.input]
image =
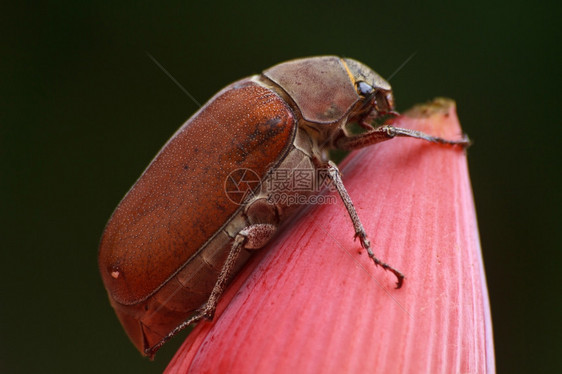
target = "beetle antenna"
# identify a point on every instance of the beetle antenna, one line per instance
(401, 66)
(169, 75)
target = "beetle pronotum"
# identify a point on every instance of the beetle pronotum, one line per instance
(177, 237)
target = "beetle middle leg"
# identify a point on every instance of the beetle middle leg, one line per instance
(360, 233)
(252, 237)
(387, 132)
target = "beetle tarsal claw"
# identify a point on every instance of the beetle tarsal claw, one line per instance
(465, 141)
(399, 276)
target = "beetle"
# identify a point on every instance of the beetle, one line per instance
(204, 204)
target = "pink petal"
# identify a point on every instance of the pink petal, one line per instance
(313, 302)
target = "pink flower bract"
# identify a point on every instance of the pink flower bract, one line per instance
(313, 301)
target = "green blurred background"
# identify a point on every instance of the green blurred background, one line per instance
(83, 111)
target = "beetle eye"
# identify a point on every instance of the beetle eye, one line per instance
(364, 88)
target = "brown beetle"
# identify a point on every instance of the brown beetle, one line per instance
(206, 201)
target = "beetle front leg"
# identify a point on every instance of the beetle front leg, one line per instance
(387, 132)
(252, 237)
(360, 233)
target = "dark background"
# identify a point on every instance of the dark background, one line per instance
(83, 111)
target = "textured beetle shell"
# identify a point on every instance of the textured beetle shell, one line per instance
(179, 204)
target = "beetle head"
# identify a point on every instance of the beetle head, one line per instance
(375, 91)
(330, 91)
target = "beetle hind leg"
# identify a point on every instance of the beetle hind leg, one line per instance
(252, 237)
